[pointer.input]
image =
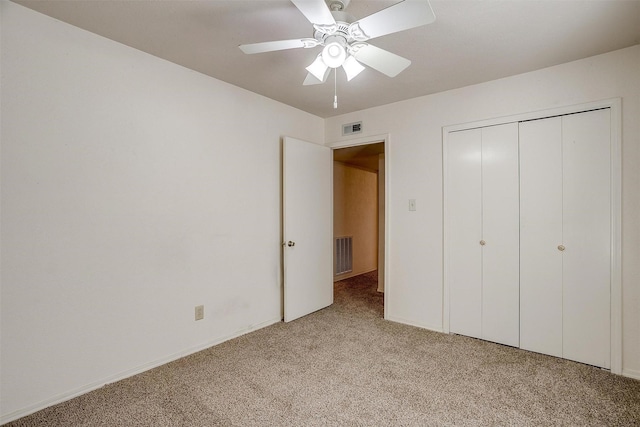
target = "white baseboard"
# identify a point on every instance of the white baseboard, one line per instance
(412, 323)
(128, 373)
(631, 373)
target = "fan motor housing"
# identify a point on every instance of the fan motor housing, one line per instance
(342, 21)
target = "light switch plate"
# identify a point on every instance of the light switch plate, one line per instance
(199, 312)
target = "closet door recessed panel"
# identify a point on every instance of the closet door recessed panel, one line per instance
(500, 234)
(541, 236)
(587, 237)
(464, 227)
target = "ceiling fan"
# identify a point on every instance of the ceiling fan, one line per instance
(344, 39)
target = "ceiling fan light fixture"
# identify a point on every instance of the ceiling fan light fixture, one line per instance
(318, 68)
(334, 54)
(352, 67)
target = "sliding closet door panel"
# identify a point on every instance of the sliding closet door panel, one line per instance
(500, 233)
(587, 225)
(464, 208)
(541, 235)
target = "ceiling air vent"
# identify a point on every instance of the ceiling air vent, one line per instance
(351, 128)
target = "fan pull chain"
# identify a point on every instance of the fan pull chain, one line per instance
(335, 88)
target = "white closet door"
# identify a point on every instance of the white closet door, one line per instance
(500, 233)
(587, 225)
(464, 232)
(540, 235)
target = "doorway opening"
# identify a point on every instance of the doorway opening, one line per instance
(359, 217)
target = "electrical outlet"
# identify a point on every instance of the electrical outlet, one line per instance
(199, 312)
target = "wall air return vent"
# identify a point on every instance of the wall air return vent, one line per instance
(351, 128)
(344, 255)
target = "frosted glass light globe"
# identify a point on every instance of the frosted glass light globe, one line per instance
(334, 54)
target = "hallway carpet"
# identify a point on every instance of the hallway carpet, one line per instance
(346, 366)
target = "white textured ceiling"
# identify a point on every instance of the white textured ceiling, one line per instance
(470, 42)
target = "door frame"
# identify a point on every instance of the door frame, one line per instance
(615, 106)
(367, 140)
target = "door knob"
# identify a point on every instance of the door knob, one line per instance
(561, 248)
(482, 243)
(291, 244)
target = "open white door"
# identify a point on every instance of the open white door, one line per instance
(308, 228)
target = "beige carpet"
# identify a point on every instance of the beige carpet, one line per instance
(346, 366)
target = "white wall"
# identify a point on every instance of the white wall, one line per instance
(415, 167)
(355, 213)
(132, 190)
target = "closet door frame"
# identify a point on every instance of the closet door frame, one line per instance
(615, 106)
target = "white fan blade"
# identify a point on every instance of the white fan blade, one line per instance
(399, 17)
(379, 59)
(316, 11)
(272, 46)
